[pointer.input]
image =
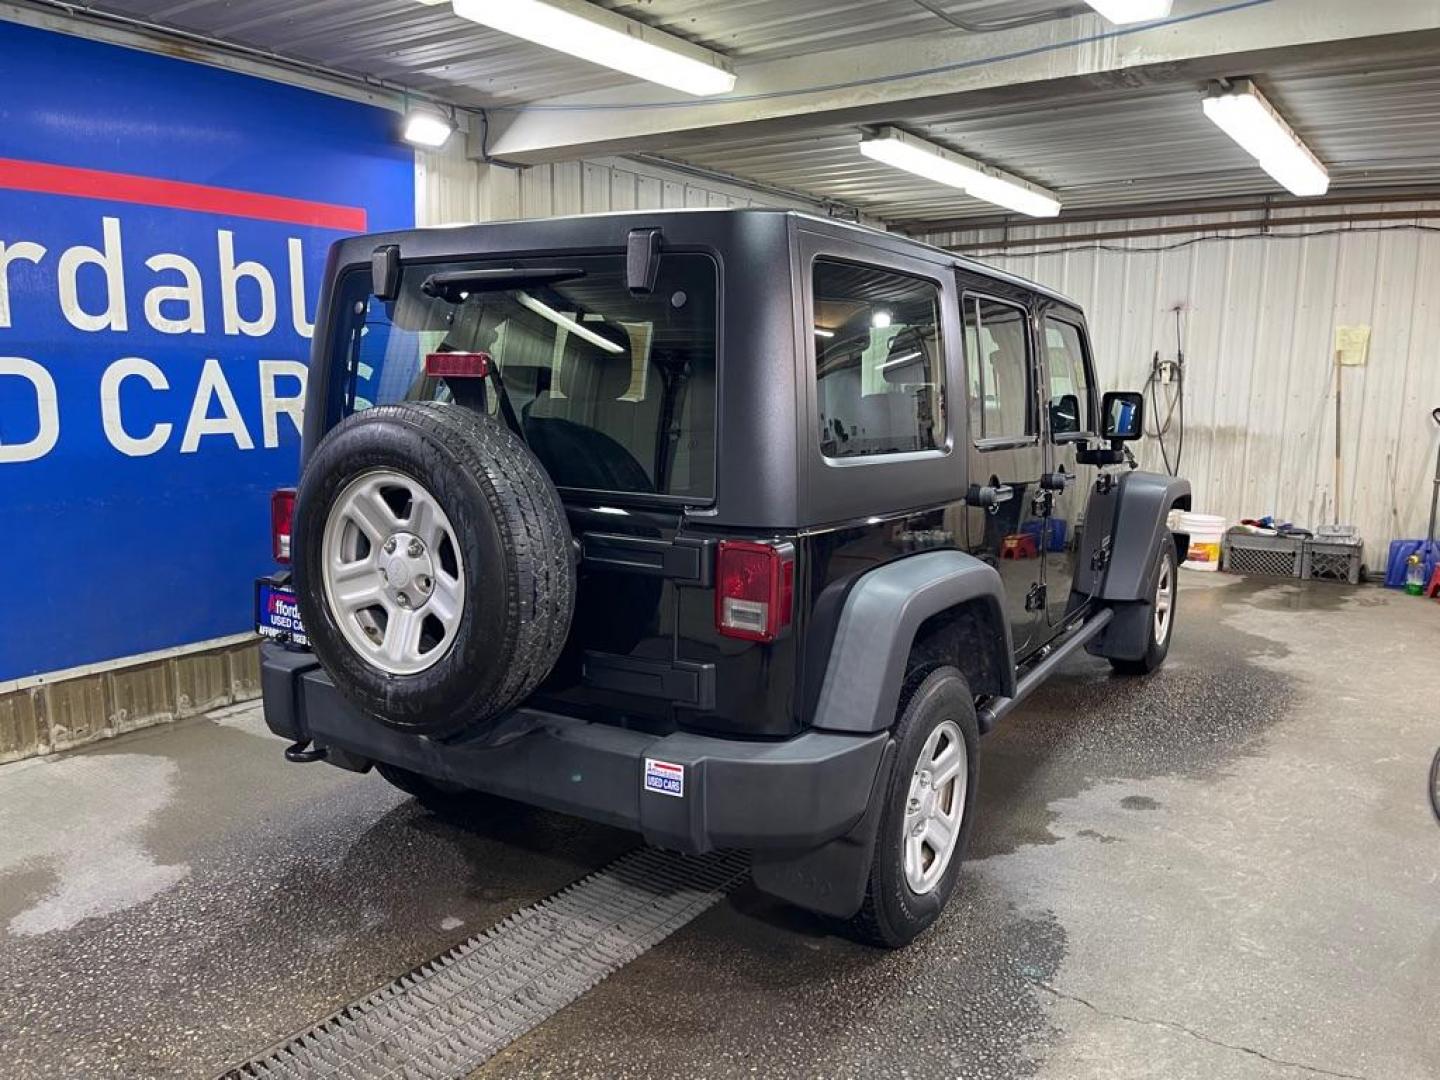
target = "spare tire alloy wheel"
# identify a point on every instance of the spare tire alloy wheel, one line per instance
(433, 566)
(395, 585)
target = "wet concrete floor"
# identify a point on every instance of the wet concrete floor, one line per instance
(1226, 870)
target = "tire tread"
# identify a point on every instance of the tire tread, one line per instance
(536, 549)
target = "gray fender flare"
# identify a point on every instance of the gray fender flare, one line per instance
(1145, 501)
(877, 626)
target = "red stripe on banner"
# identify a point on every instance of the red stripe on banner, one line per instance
(176, 194)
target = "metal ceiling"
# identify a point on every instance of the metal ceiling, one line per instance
(1377, 126)
(430, 49)
(1372, 119)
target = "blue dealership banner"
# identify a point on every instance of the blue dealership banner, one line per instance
(163, 229)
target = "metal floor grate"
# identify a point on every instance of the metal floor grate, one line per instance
(445, 1019)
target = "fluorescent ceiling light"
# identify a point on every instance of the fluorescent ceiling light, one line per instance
(907, 358)
(604, 37)
(915, 155)
(545, 311)
(426, 128)
(1243, 113)
(1132, 11)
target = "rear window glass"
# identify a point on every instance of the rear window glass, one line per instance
(879, 363)
(997, 360)
(614, 392)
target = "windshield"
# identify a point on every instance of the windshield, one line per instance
(614, 392)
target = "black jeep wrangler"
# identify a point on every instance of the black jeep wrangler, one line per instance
(736, 528)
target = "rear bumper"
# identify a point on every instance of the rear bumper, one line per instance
(793, 795)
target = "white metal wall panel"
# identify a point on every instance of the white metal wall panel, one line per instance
(451, 188)
(1259, 318)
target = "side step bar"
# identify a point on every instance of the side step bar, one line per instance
(994, 712)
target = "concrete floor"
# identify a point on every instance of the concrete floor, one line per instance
(1228, 870)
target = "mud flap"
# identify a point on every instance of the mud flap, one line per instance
(831, 879)
(1128, 634)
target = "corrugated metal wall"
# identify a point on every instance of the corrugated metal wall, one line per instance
(451, 189)
(1258, 319)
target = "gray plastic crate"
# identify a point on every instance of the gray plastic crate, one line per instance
(1265, 556)
(1333, 558)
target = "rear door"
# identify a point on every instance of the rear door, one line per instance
(615, 395)
(1004, 450)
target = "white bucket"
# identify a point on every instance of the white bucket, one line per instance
(1205, 532)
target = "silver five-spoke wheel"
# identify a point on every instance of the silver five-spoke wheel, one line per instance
(392, 572)
(1164, 598)
(934, 807)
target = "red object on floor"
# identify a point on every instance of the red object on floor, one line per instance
(1019, 546)
(1433, 589)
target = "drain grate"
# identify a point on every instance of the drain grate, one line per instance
(448, 1017)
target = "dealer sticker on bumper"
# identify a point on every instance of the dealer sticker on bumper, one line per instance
(665, 777)
(277, 614)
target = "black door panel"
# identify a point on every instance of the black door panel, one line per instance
(1004, 450)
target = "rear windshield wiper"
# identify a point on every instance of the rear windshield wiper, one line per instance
(455, 285)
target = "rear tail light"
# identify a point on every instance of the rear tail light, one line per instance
(755, 589)
(457, 365)
(282, 517)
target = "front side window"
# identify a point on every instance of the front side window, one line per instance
(879, 361)
(1069, 390)
(614, 392)
(997, 363)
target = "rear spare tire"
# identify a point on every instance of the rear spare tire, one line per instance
(433, 566)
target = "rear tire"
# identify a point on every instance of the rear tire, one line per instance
(1163, 594)
(905, 893)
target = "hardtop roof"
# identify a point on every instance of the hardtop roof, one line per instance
(871, 235)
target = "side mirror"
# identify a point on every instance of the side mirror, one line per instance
(1124, 416)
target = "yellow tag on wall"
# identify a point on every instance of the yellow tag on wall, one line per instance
(1352, 345)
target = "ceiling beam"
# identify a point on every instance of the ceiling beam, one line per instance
(927, 77)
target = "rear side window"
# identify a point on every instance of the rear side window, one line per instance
(1069, 391)
(615, 393)
(879, 361)
(997, 363)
